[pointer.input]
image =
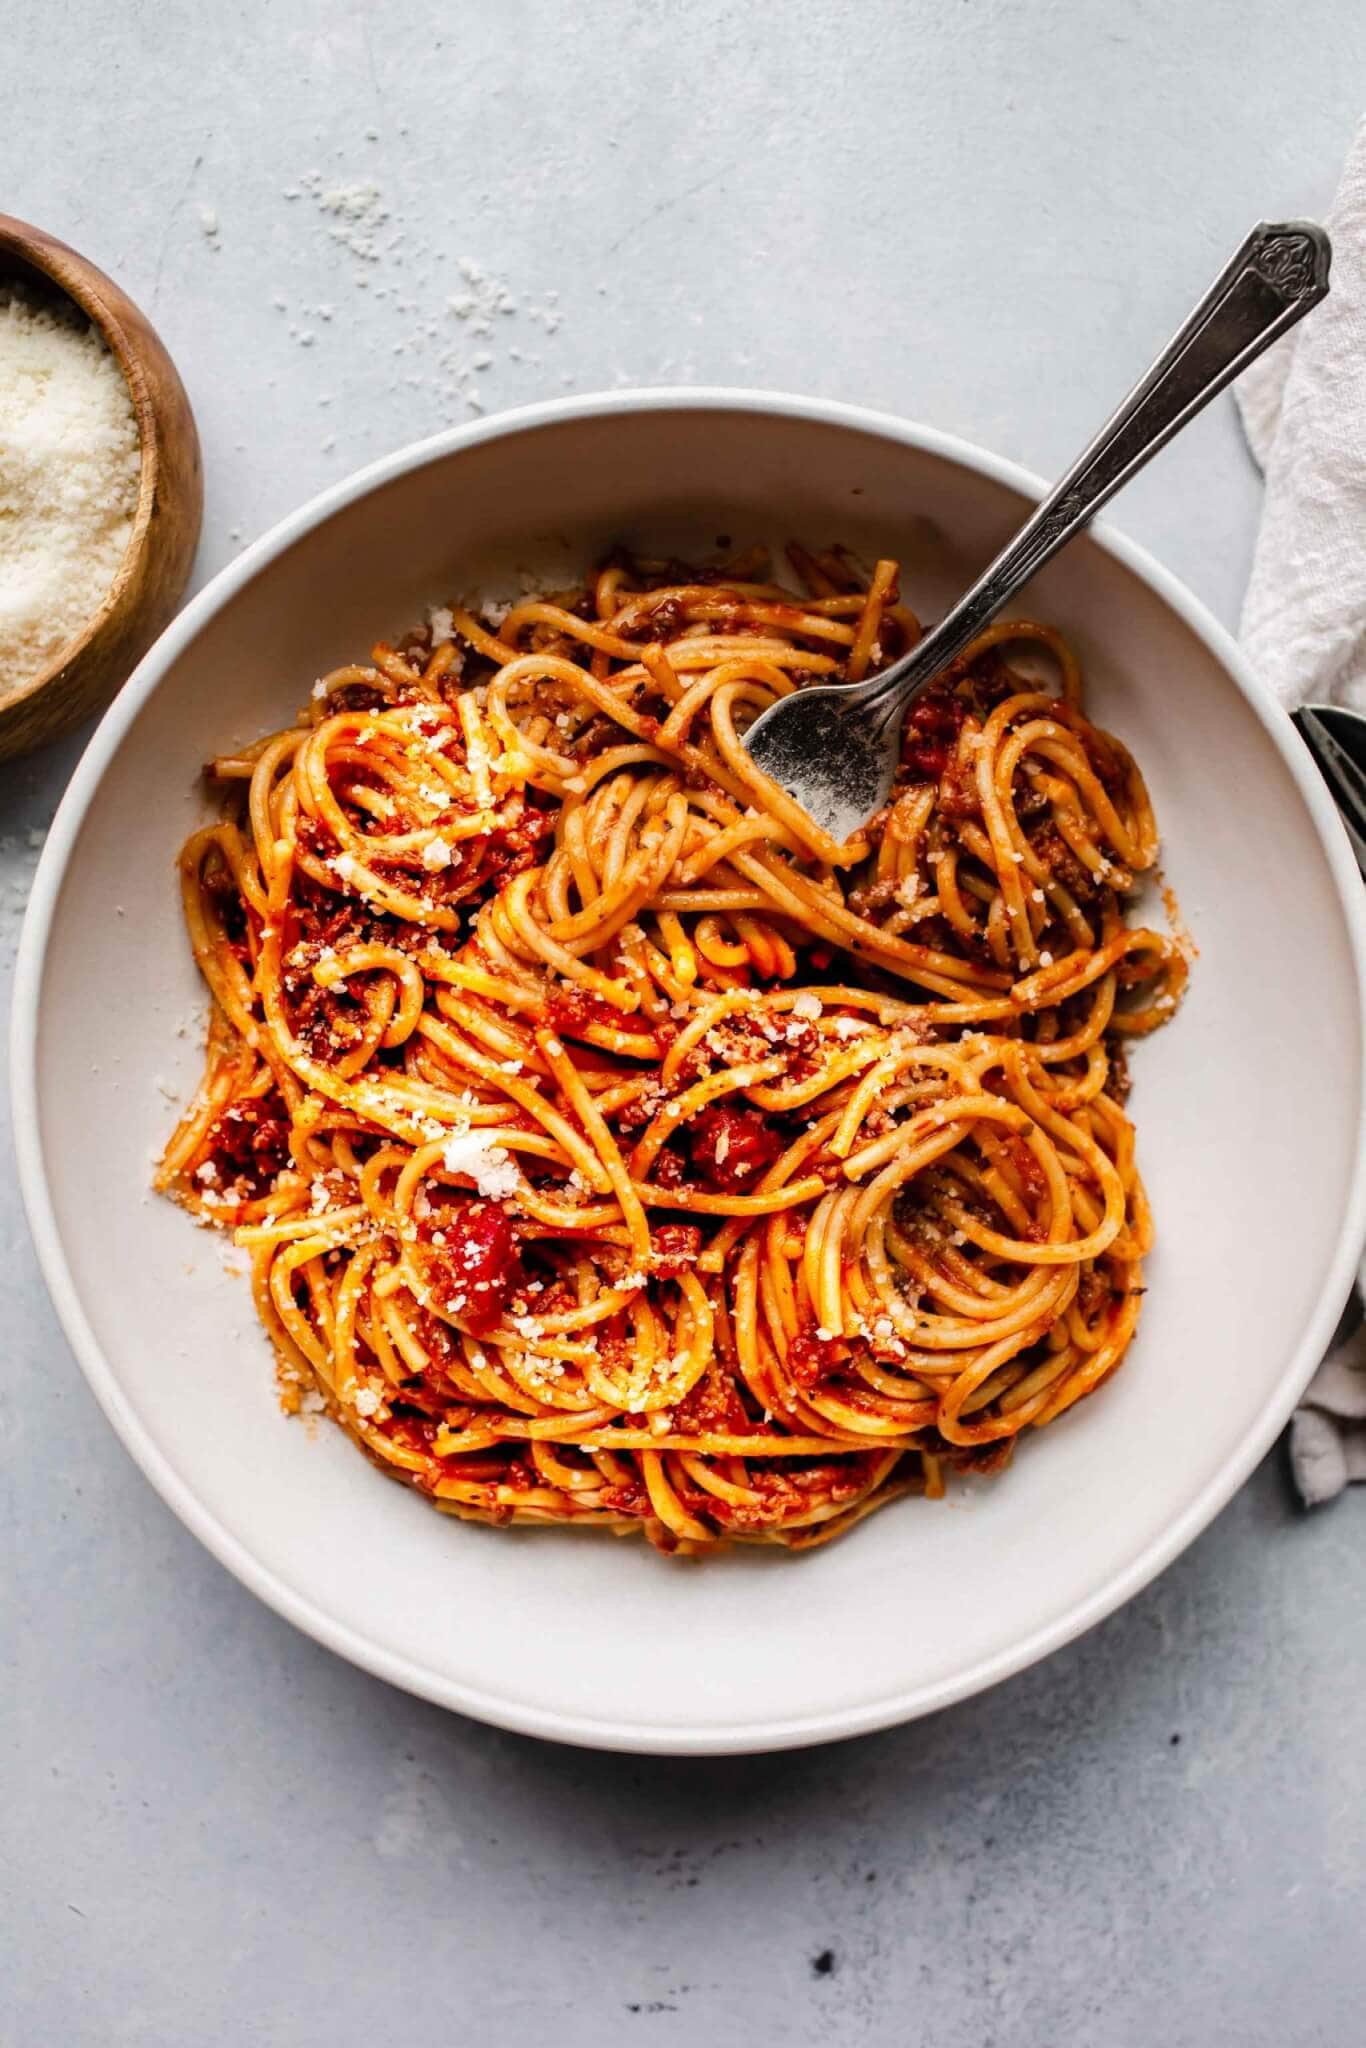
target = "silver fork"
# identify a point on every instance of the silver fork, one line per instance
(835, 749)
(1336, 738)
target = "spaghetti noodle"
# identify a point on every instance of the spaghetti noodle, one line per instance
(610, 1145)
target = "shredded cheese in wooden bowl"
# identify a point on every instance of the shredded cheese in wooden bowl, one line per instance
(69, 472)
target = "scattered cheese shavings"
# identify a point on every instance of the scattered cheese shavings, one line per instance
(469, 1153)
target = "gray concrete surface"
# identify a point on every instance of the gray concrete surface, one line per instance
(979, 213)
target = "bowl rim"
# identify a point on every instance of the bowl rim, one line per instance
(590, 1731)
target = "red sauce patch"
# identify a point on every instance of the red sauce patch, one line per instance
(670, 1171)
(471, 1259)
(414, 1432)
(812, 1358)
(513, 848)
(231, 911)
(1094, 1294)
(573, 1011)
(250, 1142)
(359, 697)
(676, 1247)
(630, 1498)
(932, 727)
(714, 1404)
(314, 916)
(731, 1147)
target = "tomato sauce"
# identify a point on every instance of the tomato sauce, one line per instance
(250, 1142)
(813, 1358)
(476, 1269)
(221, 889)
(731, 1148)
(676, 1248)
(933, 724)
(573, 1011)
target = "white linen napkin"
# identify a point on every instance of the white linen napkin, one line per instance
(1304, 629)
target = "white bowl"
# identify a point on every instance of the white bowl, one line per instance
(1248, 1109)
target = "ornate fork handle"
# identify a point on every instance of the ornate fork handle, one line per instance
(1278, 273)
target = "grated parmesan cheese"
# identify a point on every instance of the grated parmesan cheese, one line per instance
(469, 1153)
(70, 462)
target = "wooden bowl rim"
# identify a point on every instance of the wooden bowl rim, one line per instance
(102, 302)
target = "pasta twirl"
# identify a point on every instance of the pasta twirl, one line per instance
(610, 1145)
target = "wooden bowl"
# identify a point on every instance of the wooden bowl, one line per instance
(170, 504)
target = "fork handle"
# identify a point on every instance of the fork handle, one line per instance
(1274, 278)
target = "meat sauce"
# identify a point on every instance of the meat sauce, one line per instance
(670, 1169)
(812, 1358)
(731, 1148)
(714, 1403)
(933, 724)
(471, 1260)
(676, 1248)
(511, 849)
(249, 1143)
(575, 1011)
(221, 889)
